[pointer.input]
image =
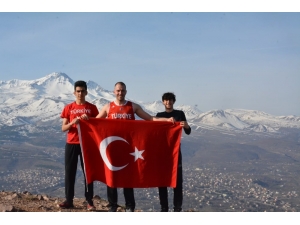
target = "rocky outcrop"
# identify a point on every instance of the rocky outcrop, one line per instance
(27, 202)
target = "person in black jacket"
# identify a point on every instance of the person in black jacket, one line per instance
(168, 100)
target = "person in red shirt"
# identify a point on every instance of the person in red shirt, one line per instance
(123, 109)
(71, 114)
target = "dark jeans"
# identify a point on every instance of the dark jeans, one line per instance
(177, 199)
(112, 196)
(72, 151)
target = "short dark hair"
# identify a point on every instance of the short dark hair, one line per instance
(80, 83)
(168, 96)
(121, 83)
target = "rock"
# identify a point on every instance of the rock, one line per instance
(96, 197)
(45, 197)
(40, 197)
(8, 197)
(16, 195)
(6, 208)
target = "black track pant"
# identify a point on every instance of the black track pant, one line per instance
(163, 191)
(112, 196)
(72, 151)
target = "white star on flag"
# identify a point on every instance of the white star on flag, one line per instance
(137, 154)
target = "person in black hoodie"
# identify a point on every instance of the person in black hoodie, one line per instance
(168, 99)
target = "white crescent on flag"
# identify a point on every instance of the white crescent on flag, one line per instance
(103, 146)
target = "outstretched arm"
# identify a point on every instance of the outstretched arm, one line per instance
(142, 114)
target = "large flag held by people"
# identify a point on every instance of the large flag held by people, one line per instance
(130, 153)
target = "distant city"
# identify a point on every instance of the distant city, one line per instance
(205, 189)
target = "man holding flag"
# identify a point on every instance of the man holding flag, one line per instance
(72, 113)
(168, 99)
(122, 109)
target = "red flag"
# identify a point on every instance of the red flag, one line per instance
(130, 153)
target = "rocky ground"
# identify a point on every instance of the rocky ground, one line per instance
(27, 202)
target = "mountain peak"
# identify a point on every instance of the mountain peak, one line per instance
(58, 74)
(56, 77)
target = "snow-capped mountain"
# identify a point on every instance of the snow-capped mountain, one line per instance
(220, 118)
(41, 101)
(255, 117)
(244, 121)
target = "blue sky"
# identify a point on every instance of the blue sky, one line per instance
(213, 60)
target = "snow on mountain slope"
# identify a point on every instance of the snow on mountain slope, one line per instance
(157, 106)
(190, 111)
(220, 118)
(263, 128)
(255, 117)
(290, 118)
(153, 107)
(41, 101)
(95, 91)
(244, 120)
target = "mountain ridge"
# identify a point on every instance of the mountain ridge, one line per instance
(41, 101)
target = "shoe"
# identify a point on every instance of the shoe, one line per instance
(112, 209)
(177, 209)
(66, 205)
(90, 207)
(164, 210)
(129, 210)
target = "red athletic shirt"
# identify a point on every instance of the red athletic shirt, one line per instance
(73, 110)
(124, 112)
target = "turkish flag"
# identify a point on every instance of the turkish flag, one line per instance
(130, 153)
